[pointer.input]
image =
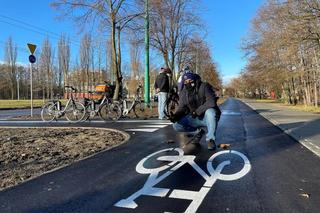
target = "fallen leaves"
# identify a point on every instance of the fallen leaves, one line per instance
(224, 146)
(305, 195)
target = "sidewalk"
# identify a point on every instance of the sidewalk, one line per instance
(302, 126)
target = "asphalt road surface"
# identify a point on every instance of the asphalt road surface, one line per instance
(265, 171)
(10, 113)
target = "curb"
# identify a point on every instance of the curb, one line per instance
(309, 145)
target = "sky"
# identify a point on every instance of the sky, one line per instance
(227, 23)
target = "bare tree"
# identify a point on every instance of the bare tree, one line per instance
(172, 23)
(115, 14)
(284, 42)
(63, 60)
(135, 55)
(85, 60)
(10, 60)
(46, 62)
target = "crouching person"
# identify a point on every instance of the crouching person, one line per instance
(197, 109)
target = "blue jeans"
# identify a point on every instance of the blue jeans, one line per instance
(162, 97)
(189, 124)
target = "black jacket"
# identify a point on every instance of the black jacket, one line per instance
(202, 98)
(162, 82)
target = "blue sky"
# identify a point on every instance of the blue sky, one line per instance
(228, 22)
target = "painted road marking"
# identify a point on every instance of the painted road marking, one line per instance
(174, 162)
(228, 112)
(146, 125)
(94, 121)
(145, 121)
(141, 130)
(147, 128)
(153, 126)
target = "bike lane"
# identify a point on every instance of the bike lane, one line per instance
(280, 171)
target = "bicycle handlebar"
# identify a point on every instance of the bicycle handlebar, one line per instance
(72, 88)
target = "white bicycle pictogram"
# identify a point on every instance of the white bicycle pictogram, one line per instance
(174, 162)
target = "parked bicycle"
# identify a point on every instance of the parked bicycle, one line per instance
(172, 102)
(137, 106)
(102, 107)
(73, 110)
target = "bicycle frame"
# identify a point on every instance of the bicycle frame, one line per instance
(127, 110)
(177, 162)
(61, 112)
(100, 104)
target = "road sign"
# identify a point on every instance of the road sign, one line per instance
(32, 59)
(32, 48)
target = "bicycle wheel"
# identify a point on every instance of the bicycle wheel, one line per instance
(138, 109)
(171, 106)
(110, 111)
(75, 112)
(49, 111)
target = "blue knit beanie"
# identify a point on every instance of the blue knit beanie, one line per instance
(191, 76)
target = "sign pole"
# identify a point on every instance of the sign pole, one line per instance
(31, 89)
(32, 59)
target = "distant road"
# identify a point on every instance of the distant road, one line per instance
(7, 114)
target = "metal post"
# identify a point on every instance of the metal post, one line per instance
(31, 90)
(18, 87)
(146, 74)
(197, 60)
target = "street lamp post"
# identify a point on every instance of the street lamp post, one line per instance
(146, 74)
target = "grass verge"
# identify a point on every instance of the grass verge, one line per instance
(298, 107)
(20, 104)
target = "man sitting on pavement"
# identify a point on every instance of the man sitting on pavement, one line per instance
(197, 108)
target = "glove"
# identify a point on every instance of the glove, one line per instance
(194, 114)
(173, 118)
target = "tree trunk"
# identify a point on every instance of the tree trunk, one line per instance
(114, 59)
(315, 79)
(119, 63)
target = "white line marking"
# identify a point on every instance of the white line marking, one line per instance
(153, 126)
(141, 130)
(315, 145)
(85, 122)
(144, 121)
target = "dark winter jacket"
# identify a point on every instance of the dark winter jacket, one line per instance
(199, 100)
(162, 82)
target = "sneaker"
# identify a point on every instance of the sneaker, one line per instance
(197, 137)
(211, 145)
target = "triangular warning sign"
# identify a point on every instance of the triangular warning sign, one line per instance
(32, 48)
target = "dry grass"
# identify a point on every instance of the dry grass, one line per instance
(299, 107)
(267, 101)
(19, 104)
(13, 104)
(303, 108)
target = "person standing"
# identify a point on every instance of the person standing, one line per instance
(162, 87)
